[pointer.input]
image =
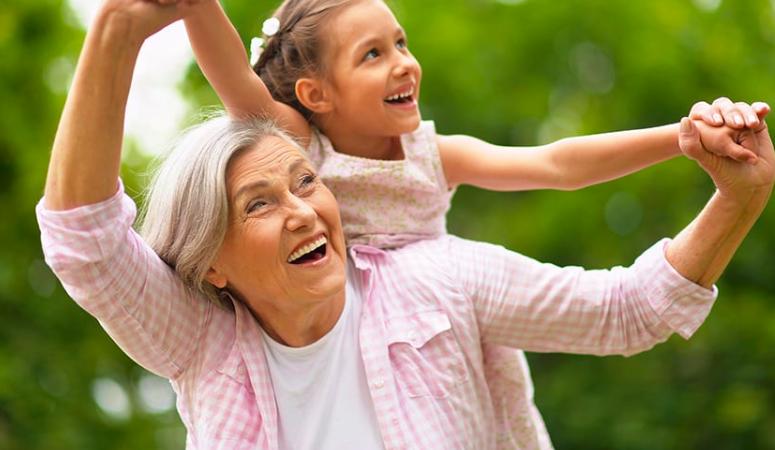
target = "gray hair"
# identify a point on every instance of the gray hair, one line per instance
(186, 212)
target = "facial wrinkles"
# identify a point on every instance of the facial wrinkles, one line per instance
(267, 172)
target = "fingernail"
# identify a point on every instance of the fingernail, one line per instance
(751, 118)
(686, 126)
(717, 118)
(738, 120)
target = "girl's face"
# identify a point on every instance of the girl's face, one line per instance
(373, 78)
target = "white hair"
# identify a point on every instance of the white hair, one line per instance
(186, 212)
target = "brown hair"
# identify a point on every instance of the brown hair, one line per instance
(296, 49)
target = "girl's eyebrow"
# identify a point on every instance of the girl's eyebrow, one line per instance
(371, 41)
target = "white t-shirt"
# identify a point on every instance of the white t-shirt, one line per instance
(321, 390)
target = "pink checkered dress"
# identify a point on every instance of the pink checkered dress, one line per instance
(428, 308)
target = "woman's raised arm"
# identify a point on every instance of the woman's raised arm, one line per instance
(703, 249)
(86, 155)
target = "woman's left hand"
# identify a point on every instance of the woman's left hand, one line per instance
(724, 112)
(734, 179)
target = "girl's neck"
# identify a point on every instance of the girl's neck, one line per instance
(369, 147)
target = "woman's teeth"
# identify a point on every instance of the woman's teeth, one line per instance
(307, 249)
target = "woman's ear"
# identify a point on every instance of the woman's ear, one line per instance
(216, 278)
(313, 95)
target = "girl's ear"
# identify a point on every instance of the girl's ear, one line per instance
(313, 95)
(216, 278)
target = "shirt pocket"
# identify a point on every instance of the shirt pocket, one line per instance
(426, 357)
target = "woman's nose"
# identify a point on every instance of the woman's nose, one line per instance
(300, 213)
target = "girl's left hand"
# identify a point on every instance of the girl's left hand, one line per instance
(724, 112)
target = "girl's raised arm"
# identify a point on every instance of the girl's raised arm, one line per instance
(224, 62)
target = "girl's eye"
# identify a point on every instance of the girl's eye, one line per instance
(371, 54)
(401, 43)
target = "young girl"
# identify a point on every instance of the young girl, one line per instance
(339, 76)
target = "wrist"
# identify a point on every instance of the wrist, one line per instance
(745, 200)
(116, 29)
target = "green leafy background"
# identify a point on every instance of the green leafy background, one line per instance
(511, 72)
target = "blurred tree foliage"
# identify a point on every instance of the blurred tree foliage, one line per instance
(512, 72)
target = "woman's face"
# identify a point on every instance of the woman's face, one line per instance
(284, 250)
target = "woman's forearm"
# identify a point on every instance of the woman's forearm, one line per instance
(86, 154)
(703, 249)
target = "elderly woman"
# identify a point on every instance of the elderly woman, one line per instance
(242, 293)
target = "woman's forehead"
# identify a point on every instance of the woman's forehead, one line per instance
(271, 157)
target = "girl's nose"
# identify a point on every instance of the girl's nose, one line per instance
(404, 64)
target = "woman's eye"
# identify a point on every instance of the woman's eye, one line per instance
(401, 43)
(255, 206)
(307, 180)
(371, 54)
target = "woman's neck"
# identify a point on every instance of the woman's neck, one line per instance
(299, 327)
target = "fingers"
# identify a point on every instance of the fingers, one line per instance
(706, 112)
(740, 153)
(737, 115)
(762, 110)
(689, 140)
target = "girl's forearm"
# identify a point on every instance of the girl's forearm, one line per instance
(86, 154)
(223, 60)
(587, 160)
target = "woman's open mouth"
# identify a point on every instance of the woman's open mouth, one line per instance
(311, 252)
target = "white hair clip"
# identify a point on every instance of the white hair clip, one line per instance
(271, 26)
(256, 48)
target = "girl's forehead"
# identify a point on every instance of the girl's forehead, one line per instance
(361, 13)
(359, 19)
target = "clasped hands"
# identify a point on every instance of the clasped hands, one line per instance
(731, 142)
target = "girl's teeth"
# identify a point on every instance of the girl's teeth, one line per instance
(404, 95)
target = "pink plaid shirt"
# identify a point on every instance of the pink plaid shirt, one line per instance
(428, 307)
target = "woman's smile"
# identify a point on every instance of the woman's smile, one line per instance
(311, 252)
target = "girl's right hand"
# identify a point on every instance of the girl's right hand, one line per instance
(148, 16)
(724, 112)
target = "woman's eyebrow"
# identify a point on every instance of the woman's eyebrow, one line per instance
(261, 184)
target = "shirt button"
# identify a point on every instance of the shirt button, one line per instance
(241, 370)
(379, 383)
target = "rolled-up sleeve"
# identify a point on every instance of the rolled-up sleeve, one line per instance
(534, 306)
(106, 267)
